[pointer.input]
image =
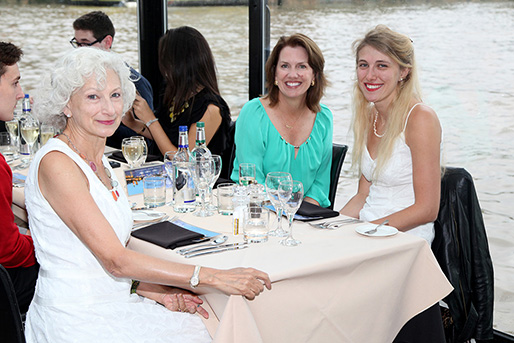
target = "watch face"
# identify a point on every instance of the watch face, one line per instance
(194, 281)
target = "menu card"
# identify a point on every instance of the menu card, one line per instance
(135, 176)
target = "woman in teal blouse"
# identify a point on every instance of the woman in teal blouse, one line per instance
(288, 129)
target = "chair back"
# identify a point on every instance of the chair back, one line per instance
(229, 154)
(461, 248)
(11, 327)
(338, 155)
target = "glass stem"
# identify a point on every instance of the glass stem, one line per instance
(290, 217)
(279, 219)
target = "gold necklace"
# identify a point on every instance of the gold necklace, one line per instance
(173, 114)
(290, 127)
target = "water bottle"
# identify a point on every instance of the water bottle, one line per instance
(184, 191)
(26, 111)
(200, 148)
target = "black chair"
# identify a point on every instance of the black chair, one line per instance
(11, 326)
(338, 155)
(460, 246)
(229, 154)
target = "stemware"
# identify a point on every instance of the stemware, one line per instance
(217, 171)
(47, 132)
(272, 182)
(290, 194)
(30, 132)
(14, 131)
(144, 151)
(168, 165)
(132, 150)
(203, 174)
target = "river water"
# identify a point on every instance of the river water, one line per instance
(464, 50)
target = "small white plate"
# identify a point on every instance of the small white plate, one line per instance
(145, 216)
(382, 231)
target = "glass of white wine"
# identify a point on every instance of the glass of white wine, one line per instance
(144, 151)
(132, 150)
(30, 132)
(13, 128)
(246, 174)
(47, 132)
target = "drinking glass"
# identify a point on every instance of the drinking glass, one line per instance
(144, 151)
(217, 170)
(13, 127)
(6, 147)
(168, 165)
(30, 132)
(255, 224)
(246, 173)
(132, 150)
(272, 183)
(203, 174)
(290, 194)
(47, 132)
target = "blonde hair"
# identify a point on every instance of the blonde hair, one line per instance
(399, 48)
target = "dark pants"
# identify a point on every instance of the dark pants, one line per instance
(426, 327)
(24, 281)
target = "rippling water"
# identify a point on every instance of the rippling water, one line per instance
(464, 50)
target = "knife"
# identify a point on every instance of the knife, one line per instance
(235, 246)
(211, 247)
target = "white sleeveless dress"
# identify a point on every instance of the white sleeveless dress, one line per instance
(76, 300)
(393, 190)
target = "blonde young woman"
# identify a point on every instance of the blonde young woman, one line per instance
(397, 138)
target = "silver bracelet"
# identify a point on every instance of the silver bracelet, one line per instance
(150, 122)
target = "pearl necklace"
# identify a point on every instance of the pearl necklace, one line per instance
(375, 125)
(93, 167)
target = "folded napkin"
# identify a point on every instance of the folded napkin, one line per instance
(312, 212)
(167, 235)
(118, 156)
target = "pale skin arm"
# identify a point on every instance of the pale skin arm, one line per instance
(66, 188)
(423, 136)
(355, 204)
(211, 118)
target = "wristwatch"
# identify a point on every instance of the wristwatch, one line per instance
(195, 280)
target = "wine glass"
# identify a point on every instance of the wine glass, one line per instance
(47, 132)
(144, 151)
(14, 131)
(246, 173)
(217, 170)
(168, 165)
(30, 132)
(132, 150)
(272, 182)
(290, 194)
(203, 174)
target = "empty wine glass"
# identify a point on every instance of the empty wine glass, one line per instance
(217, 170)
(290, 194)
(30, 132)
(132, 150)
(272, 182)
(203, 174)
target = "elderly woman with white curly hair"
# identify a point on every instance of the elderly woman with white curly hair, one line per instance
(81, 221)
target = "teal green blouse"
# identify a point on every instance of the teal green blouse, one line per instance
(258, 141)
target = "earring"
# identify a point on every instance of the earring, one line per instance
(276, 83)
(401, 79)
(67, 115)
(312, 83)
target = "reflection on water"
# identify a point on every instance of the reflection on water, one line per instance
(464, 50)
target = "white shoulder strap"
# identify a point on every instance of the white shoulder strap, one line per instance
(408, 115)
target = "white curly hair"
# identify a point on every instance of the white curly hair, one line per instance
(70, 73)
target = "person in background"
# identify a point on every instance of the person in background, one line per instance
(81, 221)
(96, 29)
(16, 249)
(288, 129)
(397, 151)
(191, 95)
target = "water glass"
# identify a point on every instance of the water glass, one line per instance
(6, 147)
(273, 180)
(290, 194)
(246, 173)
(13, 127)
(168, 165)
(225, 195)
(256, 224)
(154, 191)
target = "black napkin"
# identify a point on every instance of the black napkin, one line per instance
(167, 235)
(118, 156)
(315, 212)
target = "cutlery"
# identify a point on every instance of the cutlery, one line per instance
(328, 224)
(151, 213)
(140, 225)
(213, 241)
(211, 247)
(372, 231)
(218, 249)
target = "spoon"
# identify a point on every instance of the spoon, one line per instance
(372, 231)
(216, 240)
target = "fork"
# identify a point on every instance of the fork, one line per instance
(372, 231)
(327, 224)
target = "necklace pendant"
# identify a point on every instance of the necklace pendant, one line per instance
(115, 194)
(289, 127)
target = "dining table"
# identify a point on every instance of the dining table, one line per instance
(338, 285)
